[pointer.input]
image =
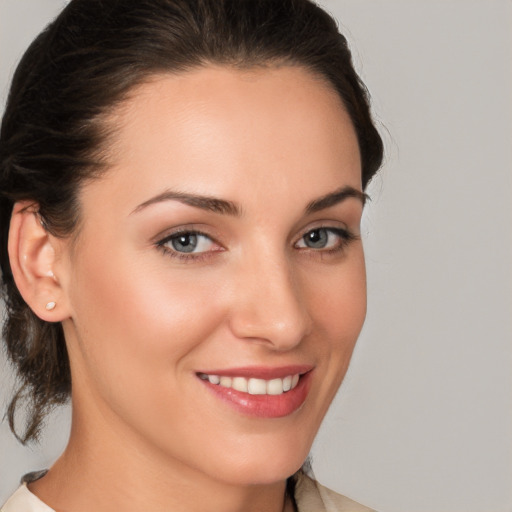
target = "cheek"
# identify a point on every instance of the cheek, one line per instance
(339, 304)
(338, 310)
(132, 321)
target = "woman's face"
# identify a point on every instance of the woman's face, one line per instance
(217, 262)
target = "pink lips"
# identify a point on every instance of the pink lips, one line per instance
(262, 405)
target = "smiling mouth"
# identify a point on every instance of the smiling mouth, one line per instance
(261, 392)
(254, 386)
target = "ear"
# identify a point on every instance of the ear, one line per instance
(32, 254)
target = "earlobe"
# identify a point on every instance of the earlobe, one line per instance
(32, 257)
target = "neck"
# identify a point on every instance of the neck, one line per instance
(98, 472)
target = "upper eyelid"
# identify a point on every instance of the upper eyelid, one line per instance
(164, 241)
(332, 229)
(329, 226)
(168, 234)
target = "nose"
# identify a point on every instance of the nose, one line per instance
(269, 305)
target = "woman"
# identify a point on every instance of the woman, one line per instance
(182, 186)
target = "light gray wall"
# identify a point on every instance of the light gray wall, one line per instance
(424, 420)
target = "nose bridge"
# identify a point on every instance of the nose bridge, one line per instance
(269, 305)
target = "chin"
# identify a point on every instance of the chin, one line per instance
(263, 465)
(261, 474)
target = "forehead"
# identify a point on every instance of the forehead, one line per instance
(217, 130)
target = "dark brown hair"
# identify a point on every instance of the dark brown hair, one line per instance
(76, 72)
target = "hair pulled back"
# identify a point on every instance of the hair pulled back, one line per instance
(77, 71)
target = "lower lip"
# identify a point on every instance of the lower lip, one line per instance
(264, 406)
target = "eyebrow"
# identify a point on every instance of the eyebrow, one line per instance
(335, 198)
(226, 207)
(208, 203)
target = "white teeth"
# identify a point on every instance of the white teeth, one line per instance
(255, 386)
(226, 381)
(239, 384)
(275, 387)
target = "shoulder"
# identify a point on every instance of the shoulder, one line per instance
(23, 500)
(310, 496)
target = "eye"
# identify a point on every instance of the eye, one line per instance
(188, 242)
(324, 238)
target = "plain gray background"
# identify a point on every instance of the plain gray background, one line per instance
(423, 422)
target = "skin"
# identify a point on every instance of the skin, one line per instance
(140, 321)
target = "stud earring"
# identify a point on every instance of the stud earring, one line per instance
(50, 306)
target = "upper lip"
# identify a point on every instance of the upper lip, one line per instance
(260, 372)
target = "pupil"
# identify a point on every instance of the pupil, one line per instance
(184, 243)
(316, 238)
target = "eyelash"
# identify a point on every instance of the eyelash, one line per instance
(183, 256)
(345, 238)
(344, 235)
